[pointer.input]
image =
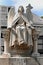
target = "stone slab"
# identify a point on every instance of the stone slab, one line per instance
(23, 61)
(18, 61)
(4, 61)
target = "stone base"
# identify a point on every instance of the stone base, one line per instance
(18, 61)
(36, 54)
(6, 55)
(4, 61)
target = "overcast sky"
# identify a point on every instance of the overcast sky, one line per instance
(37, 4)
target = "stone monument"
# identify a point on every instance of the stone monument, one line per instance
(20, 38)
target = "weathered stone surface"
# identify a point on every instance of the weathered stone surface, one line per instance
(18, 40)
(18, 61)
(4, 61)
(23, 61)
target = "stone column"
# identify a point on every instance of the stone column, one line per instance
(6, 42)
(35, 53)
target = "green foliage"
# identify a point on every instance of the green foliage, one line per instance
(41, 16)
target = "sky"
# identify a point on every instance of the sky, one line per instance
(37, 5)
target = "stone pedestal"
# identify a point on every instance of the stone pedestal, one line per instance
(23, 61)
(18, 61)
(4, 61)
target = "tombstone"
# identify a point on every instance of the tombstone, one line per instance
(20, 37)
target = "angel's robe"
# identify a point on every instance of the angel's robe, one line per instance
(23, 34)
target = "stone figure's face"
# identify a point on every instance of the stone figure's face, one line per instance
(20, 9)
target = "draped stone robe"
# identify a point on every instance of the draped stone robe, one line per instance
(23, 34)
